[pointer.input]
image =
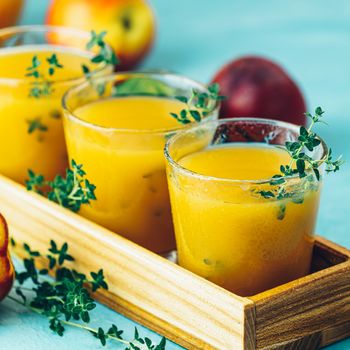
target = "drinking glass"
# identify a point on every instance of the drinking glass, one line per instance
(127, 164)
(32, 136)
(226, 230)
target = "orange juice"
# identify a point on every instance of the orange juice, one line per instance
(134, 113)
(227, 232)
(43, 148)
(120, 142)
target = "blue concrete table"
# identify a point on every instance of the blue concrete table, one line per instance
(310, 38)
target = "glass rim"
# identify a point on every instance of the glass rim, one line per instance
(69, 113)
(42, 28)
(175, 164)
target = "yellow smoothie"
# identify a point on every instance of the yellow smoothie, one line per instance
(123, 157)
(231, 235)
(42, 149)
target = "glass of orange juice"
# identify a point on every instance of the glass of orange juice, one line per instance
(117, 126)
(30, 104)
(228, 227)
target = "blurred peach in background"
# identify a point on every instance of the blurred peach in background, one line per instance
(10, 11)
(130, 24)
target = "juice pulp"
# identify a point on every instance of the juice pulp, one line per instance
(43, 151)
(127, 165)
(228, 233)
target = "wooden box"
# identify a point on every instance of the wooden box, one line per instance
(308, 313)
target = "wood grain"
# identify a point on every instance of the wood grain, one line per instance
(308, 313)
(174, 302)
(305, 307)
(311, 342)
(335, 333)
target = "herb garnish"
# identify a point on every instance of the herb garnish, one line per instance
(42, 86)
(104, 55)
(301, 164)
(199, 105)
(69, 192)
(36, 125)
(65, 300)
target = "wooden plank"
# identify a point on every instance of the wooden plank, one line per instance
(155, 292)
(249, 341)
(332, 249)
(307, 313)
(311, 342)
(336, 333)
(317, 340)
(303, 308)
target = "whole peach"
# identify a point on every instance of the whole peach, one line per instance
(6, 267)
(9, 12)
(130, 24)
(256, 87)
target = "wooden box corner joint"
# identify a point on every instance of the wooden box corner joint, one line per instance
(311, 312)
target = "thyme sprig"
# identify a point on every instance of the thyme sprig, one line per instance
(301, 163)
(70, 192)
(42, 85)
(65, 299)
(36, 125)
(308, 140)
(104, 53)
(199, 105)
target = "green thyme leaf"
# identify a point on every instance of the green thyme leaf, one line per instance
(281, 211)
(267, 194)
(65, 299)
(42, 86)
(203, 102)
(36, 125)
(70, 192)
(301, 164)
(142, 86)
(105, 53)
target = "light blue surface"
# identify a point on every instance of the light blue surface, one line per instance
(310, 38)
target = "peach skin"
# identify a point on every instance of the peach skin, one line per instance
(6, 267)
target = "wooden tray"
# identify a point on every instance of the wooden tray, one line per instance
(308, 313)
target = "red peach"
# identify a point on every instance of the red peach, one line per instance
(258, 87)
